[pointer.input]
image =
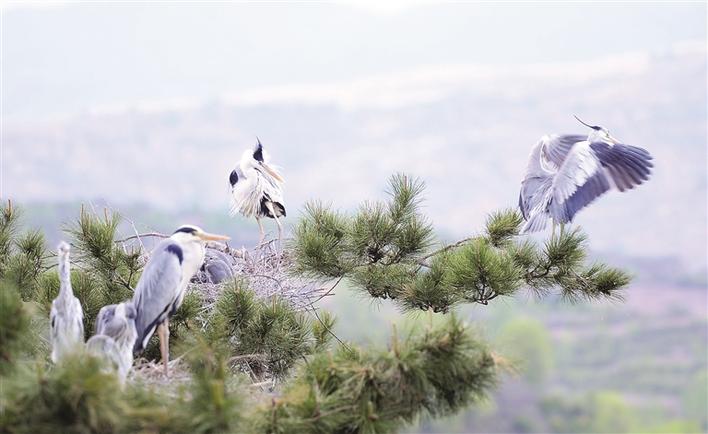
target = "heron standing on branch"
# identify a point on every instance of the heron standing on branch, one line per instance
(115, 336)
(565, 173)
(256, 189)
(66, 316)
(161, 288)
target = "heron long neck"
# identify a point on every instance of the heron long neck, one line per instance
(65, 276)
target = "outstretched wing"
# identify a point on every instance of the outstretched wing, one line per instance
(590, 170)
(556, 147)
(157, 290)
(627, 166)
(580, 180)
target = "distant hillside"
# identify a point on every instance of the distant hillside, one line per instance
(466, 130)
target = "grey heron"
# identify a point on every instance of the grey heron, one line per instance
(115, 336)
(161, 288)
(566, 173)
(256, 189)
(66, 316)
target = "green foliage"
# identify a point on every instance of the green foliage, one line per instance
(384, 250)
(9, 219)
(602, 412)
(268, 336)
(21, 256)
(322, 330)
(116, 269)
(436, 371)
(77, 396)
(502, 226)
(320, 242)
(374, 243)
(15, 326)
(695, 399)
(215, 404)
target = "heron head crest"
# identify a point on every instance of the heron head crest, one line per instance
(594, 127)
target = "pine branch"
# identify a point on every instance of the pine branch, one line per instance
(384, 250)
(435, 371)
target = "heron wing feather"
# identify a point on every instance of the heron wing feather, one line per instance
(627, 166)
(579, 166)
(156, 291)
(556, 147)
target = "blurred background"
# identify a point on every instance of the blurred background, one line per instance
(145, 109)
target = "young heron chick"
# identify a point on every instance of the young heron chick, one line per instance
(115, 336)
(66, 316)
(256, 189)
(161, 288)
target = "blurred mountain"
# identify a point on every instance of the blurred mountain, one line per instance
(465, 129)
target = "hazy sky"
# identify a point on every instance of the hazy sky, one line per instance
(346, 94)
(72, 57)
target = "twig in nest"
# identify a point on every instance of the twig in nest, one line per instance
(138, 236)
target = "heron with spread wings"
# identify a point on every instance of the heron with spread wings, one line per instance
(162, 286)
(566, 173)
(66, 317)
(256, 189)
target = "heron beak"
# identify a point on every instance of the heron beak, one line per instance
(612, 139)
(272, 172)
(212, 237)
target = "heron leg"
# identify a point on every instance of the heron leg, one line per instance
(163, 332)
(553, 230)
(262, 232)
(280, 232)
(277, 221)
(562, 225)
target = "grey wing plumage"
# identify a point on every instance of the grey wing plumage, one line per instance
(157, 290)
(103, 318)
(579, 181)
(557, 147)
(533, 201)
(115, 336)
(628, 166)
(110, 323)
(595, 186)
(590, 171)
(533, 191)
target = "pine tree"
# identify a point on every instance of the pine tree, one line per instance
(266, 361)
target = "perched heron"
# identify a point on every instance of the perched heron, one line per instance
(256, 189)
(565, 173)
(66, 316)
(161, 288)
(115, 336)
